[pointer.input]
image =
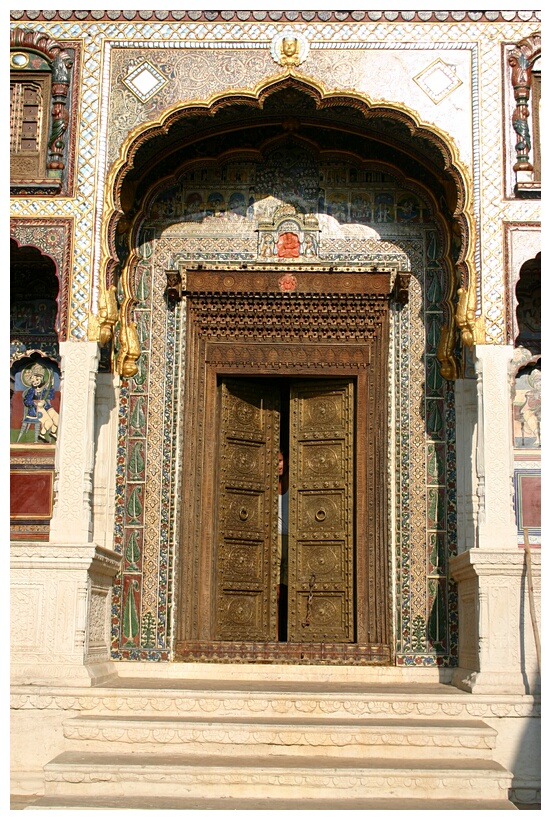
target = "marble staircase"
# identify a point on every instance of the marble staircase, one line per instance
(289, 743)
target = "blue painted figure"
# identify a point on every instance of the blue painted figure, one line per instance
(37, 402)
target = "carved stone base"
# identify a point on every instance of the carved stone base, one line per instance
(60, 613)
(497, 647)
(527, 186)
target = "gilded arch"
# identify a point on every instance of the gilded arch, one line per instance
(125, 212)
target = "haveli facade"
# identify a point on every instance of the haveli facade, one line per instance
(239, 232)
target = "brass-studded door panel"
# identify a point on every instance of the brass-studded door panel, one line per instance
(246, 570)
(321, 514)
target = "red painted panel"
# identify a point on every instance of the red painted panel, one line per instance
(531, 500)
(31, 493)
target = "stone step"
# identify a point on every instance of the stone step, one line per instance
(263, 804)
(289, 735)
(270, 699)
(86, 775)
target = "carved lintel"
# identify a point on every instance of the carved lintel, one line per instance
(238, 357)
(400, 292)
(173, 285)
(267, 280)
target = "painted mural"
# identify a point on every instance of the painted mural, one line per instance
(527, 409)
(220, 198)
(35, 403)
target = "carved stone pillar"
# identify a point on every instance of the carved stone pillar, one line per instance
(103, 501)
(496, 641)
(72, 514)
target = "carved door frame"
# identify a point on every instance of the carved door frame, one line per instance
(307, 322)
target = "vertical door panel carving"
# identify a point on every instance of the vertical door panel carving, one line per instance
(321, 524)
(246, 562)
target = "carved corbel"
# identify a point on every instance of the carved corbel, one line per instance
(129, 351)
(100, 327)
(108, 313)
(465, 317)
(444, 354)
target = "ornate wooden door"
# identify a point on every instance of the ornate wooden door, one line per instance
(245, 325)
(321, 513)
(247, 568)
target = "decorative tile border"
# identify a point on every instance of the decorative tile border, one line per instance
(426, 624)
(283, 16)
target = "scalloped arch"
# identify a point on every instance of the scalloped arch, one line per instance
(122, 218)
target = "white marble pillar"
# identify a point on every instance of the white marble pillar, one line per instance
(105, 463)
(494, 456)
(496, 639)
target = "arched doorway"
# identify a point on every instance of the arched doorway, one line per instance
(202, 197)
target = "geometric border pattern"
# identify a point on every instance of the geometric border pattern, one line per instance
(324, 16)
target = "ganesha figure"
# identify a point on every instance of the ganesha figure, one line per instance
(288, 245)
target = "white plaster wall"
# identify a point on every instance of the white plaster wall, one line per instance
(388, 77)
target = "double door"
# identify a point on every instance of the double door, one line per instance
(312, 421)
